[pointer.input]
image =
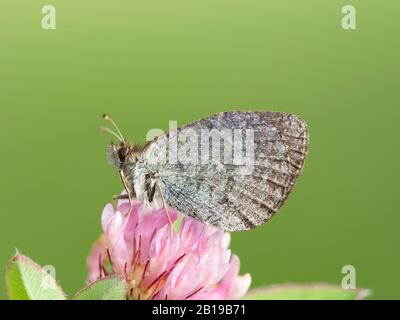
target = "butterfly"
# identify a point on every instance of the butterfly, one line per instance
(232, 170)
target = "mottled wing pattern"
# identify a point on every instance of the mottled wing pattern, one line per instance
(222, 195)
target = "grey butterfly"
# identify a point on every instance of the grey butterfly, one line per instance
(232, 170)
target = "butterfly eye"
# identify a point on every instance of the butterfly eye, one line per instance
(122, 154)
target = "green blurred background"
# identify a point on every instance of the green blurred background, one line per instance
(147, 62)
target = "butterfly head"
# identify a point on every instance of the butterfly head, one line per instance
(117, 154)
(122, 154)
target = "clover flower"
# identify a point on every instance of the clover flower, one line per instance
(159, 263)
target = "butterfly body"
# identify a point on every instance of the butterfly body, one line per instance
(233, 170)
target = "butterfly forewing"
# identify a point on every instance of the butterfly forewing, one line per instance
(233, 170)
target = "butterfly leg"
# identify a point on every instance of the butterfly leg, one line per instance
(151, 183)
(114, 200)
(129, 192)
(164, 204)
(150, 186)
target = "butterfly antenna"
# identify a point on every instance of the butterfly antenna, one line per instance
(105, 129)
(108, 118)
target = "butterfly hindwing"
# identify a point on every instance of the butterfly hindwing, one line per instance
(231, 195)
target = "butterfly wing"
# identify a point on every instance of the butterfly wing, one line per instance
(230, 194)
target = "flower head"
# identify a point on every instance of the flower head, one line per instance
(159, 263)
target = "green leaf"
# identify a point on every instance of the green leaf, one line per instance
(109, 288)
(306, 292)
(26, 280)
